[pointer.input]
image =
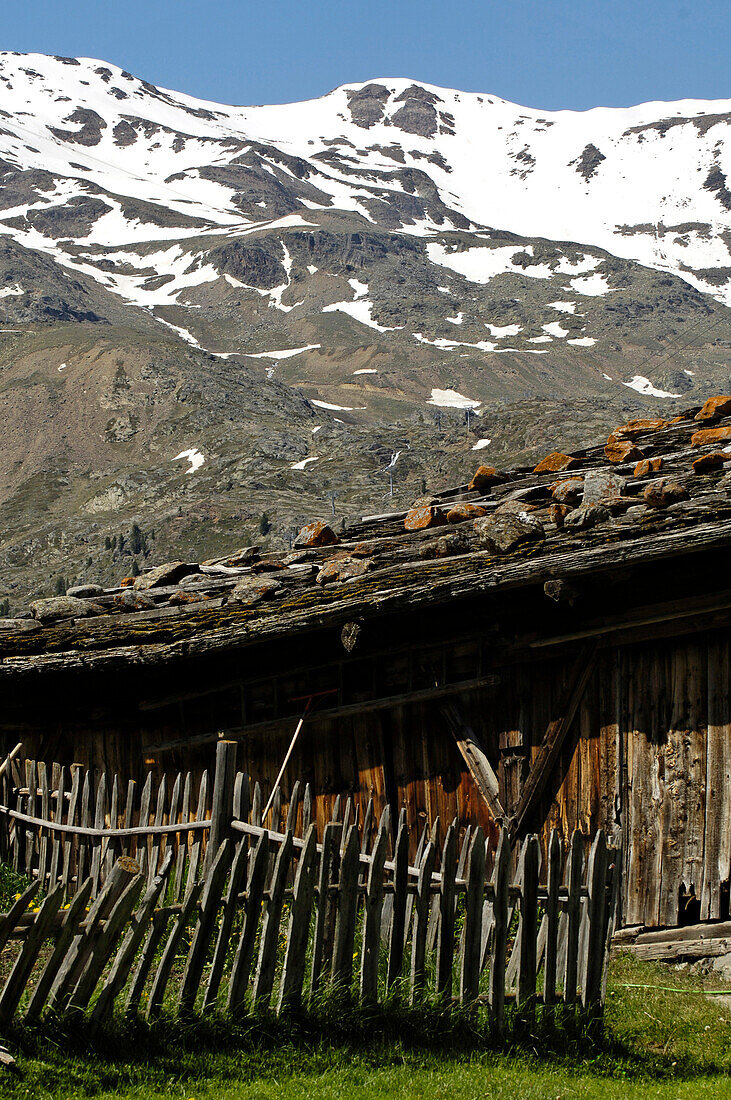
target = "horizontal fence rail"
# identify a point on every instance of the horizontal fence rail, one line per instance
(180, 903)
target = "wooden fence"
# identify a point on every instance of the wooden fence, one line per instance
(191, 904)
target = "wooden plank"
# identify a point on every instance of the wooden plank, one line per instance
(123, 872)
(476, 759)
(326, 903)
(30, 834)
(180, 859)
(596, 906)
(295, 959)
(266, 964)
(68, 849)
(113, 848)
(239, 980)
(555, 864)
(82, 846)
(500, 884)
(228, 916)
(421, 922)
(347, 902)
(526, 986)
(222, 798)
(195, 848)
(181, 921)
(294, 800)
(73, 917)
(574, 876)
(120, 971)
(37, 933)
(447, 899)
(681, 949)
(307, 809)
(104, 945)
(469, 981)
(400, 901)
(372, 920)
(553, 739)
(144, 821)
(205, 927)
(100, 813)
(45, 814)
(159, 820)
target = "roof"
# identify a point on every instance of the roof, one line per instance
(643, 496)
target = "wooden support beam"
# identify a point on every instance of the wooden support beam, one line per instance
(476, 760)
(553, 740)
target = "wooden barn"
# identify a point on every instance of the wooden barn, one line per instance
(544, 647)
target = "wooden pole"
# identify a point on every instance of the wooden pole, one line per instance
(222, 802)
(289, 752)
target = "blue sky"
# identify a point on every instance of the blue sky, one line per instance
(540, 53)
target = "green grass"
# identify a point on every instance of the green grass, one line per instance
(655, 1045)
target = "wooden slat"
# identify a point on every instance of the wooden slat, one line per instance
(470, 967)
(574, 878)
(398, 916)
(326, 903)
(73, 917)
(342, 960)
(196, 846)
(372, 920)
(205, 927)
(241, 969)
(421, 921)
(141, 849)
(43, 853)
(500, 883)
(9, 920)
(293, 971)
(159, 820)
(266, 964)
(230, 911)
(526, 986)
(182, 919)
(100, 814)
(119, 973)
(105, 944)
(596, 907)
(555, 863)
(69, 847)
(181, 857)
(37, 934)
(446, 910)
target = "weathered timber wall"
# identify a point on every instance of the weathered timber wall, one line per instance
(648, 757)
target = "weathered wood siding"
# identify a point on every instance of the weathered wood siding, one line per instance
(648, 757)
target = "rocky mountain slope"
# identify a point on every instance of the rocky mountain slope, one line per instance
(288, 296)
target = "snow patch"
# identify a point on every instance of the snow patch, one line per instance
(193, 456)
(366, 370)
(301, 465)
(563, 307)
(645, 386)
(583, 342)
(450, 399)
(499, 331)
(593, 286)
(554, 329)
(287, 354)
(337, 408)
(481, 444)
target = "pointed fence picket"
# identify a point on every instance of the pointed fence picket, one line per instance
(272, 917)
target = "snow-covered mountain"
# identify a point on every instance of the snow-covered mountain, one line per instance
(361, 260)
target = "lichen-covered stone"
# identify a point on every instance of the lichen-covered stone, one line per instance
(568, 491)
(245, 555)
(623, 451)
(707, 437)
(484, 478)
(85, 591)
(127, 582)
(458, 513)
(424, 517)
(344, 569)
(55, 608)
(557, 513)
(507, 531)
(634, 428)
(715, 408)
(185, 597)
(705, 464)
(588, 515)
(131, 600)
(602, 486)
(315, 534)
(169, 573)
(555, 462)
(449, 545)
(647, 466)
(663, 492)
(249, 592)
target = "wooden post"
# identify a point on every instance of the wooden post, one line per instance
(501, 882)
(222, 804)
(573, 915)
(528, 922)
(555, 859)
(471, 962)
(596, 880)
